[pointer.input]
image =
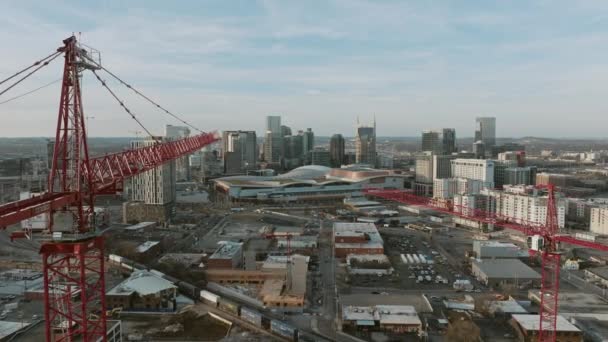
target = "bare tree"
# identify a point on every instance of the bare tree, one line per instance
(462, 330)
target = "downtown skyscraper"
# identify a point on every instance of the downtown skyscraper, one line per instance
(365, 144)
(485, 131)
(336, 150)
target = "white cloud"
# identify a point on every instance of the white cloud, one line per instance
(322, 64)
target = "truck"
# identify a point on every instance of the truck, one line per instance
(410, 259)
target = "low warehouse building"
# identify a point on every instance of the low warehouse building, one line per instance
(527, 326)
(356, 238)
(397, 319)
(228, 255)
(143, 291)
(495, 250)
(497, 272)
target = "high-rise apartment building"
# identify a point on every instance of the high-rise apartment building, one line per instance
(336, 150)
(182, 164)
(365, 145)
(239, 151)
(423, 181)
(448, 187)
(479, 169)
(485, 131)
(523, 204)
(598, 222)
(156, 186)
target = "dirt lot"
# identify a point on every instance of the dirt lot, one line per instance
(187, 326)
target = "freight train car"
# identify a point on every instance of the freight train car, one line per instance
(283, 329)
(251, 316)
(228, 306)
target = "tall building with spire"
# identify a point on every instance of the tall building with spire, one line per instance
(365, 144)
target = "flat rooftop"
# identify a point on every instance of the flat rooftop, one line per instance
(398, 314)
(142, 282)
(361, 203)
(355, 226)
(144, 247)
(227, 250)
(506, 268)
(490, 243)
(532, 323)
(141, 225)
(359, 245)
(576, 302)
(8, 328)
(360, 299)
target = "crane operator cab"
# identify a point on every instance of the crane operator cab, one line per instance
(536, 242)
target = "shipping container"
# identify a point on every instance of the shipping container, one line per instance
(251, 316)
(283, 329)
(209, 297)
(228, 306)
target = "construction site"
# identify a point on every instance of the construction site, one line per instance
(127, 247)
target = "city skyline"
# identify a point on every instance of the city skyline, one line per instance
(413, 67)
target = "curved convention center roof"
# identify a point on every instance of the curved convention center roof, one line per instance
(306, 172)
(308, 175)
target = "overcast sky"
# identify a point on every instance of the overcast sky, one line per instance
(540, 67)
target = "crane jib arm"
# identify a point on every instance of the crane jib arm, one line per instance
(105, 172)
(15, 212)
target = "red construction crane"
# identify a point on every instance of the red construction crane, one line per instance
(73, 260)
(541, 238)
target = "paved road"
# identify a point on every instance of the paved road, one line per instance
(326, 322)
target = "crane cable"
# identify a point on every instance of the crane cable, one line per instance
(29, 67)
(41, 64)
(30, 92)
(150, 100)
(103, 83)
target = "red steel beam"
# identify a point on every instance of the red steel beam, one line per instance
(407, 197)
(574, 241)
(15, 212)
(110, 170)
(107, 173)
